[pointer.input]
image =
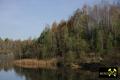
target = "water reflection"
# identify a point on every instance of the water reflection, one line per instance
(17, 73)
(10, 75)
(45, 74)
(11, 72)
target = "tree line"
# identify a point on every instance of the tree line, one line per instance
(91, 29)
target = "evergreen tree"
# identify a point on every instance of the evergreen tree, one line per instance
(99, 41)
(109, 43)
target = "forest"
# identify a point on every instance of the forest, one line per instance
(90, 31)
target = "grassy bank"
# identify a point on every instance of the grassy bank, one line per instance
(35, 63)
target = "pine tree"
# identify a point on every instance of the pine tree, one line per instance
(99, 41)
(109, 43)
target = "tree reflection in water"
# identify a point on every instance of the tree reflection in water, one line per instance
(62, 74)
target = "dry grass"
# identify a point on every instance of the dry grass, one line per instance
(34, 63)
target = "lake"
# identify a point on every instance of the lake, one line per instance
(12, 72)
(16, 73)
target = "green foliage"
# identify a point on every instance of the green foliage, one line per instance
(109, 43)
(99, 41)
(69, 57)
(96, 30)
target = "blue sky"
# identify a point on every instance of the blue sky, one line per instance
(21, 19)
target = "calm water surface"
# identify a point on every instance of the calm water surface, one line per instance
(10, 72)
(10, 75)
(17, 73)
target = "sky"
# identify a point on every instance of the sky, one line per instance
(23, 19)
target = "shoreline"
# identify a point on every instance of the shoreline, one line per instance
(35, 63)
(49, 64)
